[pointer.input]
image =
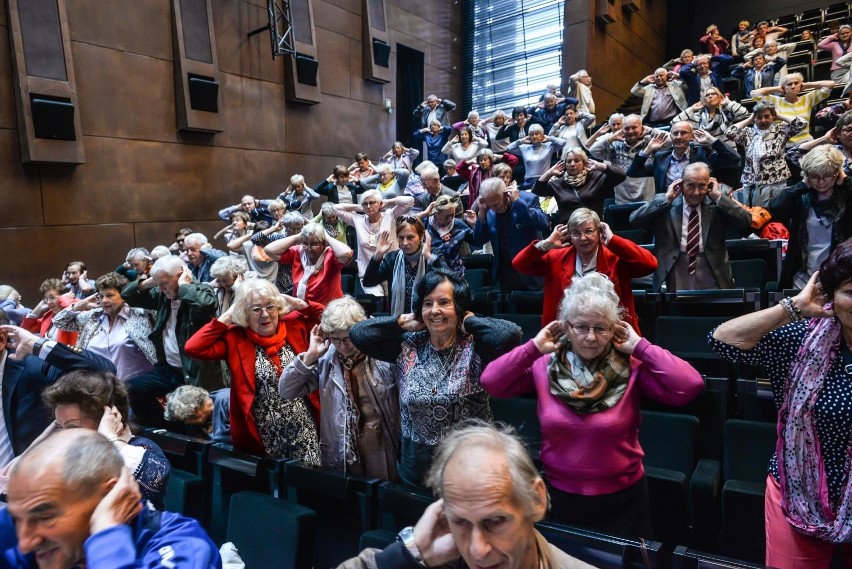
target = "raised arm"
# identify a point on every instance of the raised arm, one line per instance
(279, 247)
(379, 338)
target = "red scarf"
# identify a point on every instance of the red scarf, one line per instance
(271, 344)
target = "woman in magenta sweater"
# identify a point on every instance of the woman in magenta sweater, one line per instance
(589, 370)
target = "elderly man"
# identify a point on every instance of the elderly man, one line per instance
(620, 148)
(704, 72)
(71, 503)
(183, 305)
(201, 256)
(137, 263)
(491, 495)
(662, 97)
(257, 210)
(757, 73)
(434, 109)
(76, 279)
(666, 166)
(551, 109)
(510, 221)
(580, 87)
(431, 179)
(690, 222)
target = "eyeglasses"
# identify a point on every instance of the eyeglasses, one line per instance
(269, 308)
(406, 219)
(585, 233)
(826, 178)
(338, 341)
(583, 330)
(371, 202)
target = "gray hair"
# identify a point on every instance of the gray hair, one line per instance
(312, 230)
(137, 252)
(171, 266)
(383, 167)
(477, 433)
(160, 251)
(576, 151)
(791, 76)
(292, 217)
(228, 266)
(327, 208)
(581, 216)
(255, 288)
(297, 179)
(184, 402)
(372, 194)
(492, 186)
(631, 117)
(341, 314)
(615, 117)
(472, 115)
(485, 152)
(824, 159)
(429, 172)
(592, 292)
(690, 168)
(450, 163)
(536, 128)
(6, 291)
(198, 238)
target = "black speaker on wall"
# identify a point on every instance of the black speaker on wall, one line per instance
(203, 93)
(306, 70)
(381, 53)
(53, 117)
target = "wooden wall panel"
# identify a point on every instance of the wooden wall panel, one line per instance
(335, 67)
(20, 199)
(253, 114)
(238, 54)
(335, 19)
(7, 101)
(124, 25)
(368, 91)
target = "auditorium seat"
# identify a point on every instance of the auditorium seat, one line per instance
(604, 551)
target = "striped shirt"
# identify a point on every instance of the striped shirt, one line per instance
(801, 108)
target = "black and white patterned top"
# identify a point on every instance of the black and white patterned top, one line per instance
(285, 426)
(776, 352)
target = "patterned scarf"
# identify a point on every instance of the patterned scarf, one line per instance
(578, 180)
(804, 484)
(399, 288)
(592, 387)
(352, 366)
(271, 345)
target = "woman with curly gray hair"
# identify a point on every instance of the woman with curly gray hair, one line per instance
(207, 414)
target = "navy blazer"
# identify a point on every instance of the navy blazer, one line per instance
(767, 74)
(718, 156)
(527, 223)
(23, 381)
(718, 68)
(329, 190)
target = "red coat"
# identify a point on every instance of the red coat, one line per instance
(217, 341)
(42, 324)
(620, 260)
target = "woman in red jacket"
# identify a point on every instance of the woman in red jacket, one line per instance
(582, 246)
(258, 336)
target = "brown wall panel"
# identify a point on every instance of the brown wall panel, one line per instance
(241, 55)
(20, 198)
(335, 19)
(149, 235)
(335, 66)
(368, 91)
(353, 6)
(125, 25)
(7, 101)
(254, 114)
(3, 13)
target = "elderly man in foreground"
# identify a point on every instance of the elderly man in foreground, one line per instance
(73, 504)
(491, 495)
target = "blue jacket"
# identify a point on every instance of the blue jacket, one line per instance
(767, 74)
(153, 539)
(718, 156)
(718, 68)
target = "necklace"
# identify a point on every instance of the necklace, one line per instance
(439, 363)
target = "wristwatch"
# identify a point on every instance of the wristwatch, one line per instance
(37, 346)
(406, 536)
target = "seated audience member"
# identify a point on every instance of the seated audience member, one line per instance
(666, 166)
(292, 223)
(619, 148)
(434, 109)
(239, 227)
(550, 109)
(359, 398)
(317, 260)
(829, 115)
(509, 220)
(741, 40)
(451, 177)
(589, 370)
(40, 319)
(475, 174)
(208, 414)
(389, 182)
(10, 303)
(814, 211)
(182, 305)
(338, 187)
(583, 246)
(477, 464)
(361, 168)
(257, 337)
(440, 338)
(662, 97)
(536, 151)
(464, 146)
(178, 247)
(228, 273)
(158, 252)
(838, 45)
(712, 42)
(518, 126)
(298, 197)
(674, 65)
(331, 222)
(399, 157)
(769, 33)
(380, 215)
(138, 262)
(97, 401)
(113, 330)
(258, 211)
(840, 137)
(435, 137)
(779, 54)
(699, 75)
(758, 72)
(569, 129)
(690, 224)
(787, 100)
(29, 364)
(403, 268)
(713, 114)
(476, 126)
(449, 236)
(493, 124)
(258, 262)
(99, 521)
(431, 181)
(200, 256)
(575, 182)
(76, 280)
(580, 88)
(765, 173)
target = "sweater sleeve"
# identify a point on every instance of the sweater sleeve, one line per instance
(511, 374)
(379, 338)
(297, 379)
(492, 336)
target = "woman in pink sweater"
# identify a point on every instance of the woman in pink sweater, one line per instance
(589, 370)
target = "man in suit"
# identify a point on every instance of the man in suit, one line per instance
(28, 364)
(690, 222)
(758, 73)
(662, 97)
(704, 72)
(666, 166)
(511, 220)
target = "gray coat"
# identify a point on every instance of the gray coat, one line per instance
(647, 93)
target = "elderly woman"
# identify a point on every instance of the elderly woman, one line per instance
(436, 365)
(388, 181)
(765, 172)
(227, 272)
(403, 268)
(714, 113)
(380, 216)
(97, 400)
(476, 126)
(298, 196)
(114, 330)
(840, 136)
(257, 337)
(137, 263)
(207, 414)
(474, 174)
(359, 400)
(802, 346)
(536, 150)
(493, 124)
(331, 222)
(837, 44)
(292, 223)
(464, 145)
(317, 260)
(569, 129)
(589, 370)
(584, 246)
(791, 104)
(39, 320)
(448, 235)
(576, 181)
(10, 303)
(399, 157)
(712, 41)
(814, 211)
